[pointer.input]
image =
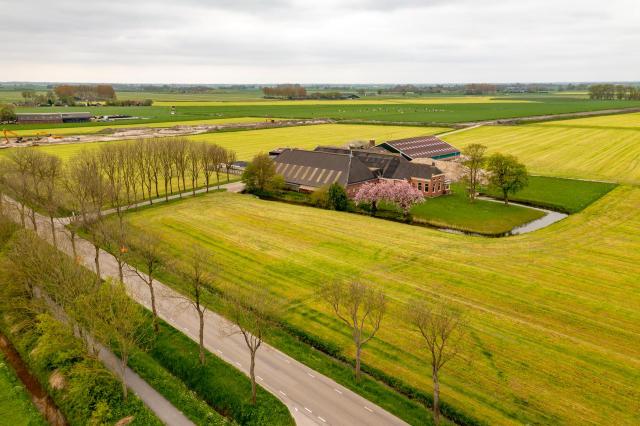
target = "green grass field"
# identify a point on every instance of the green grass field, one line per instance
(485, 217)
(416, 110)
(553, 314)
(249, 143)
(599, 148)
(564, 195)
(16, 407)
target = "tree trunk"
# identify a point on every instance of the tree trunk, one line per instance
(33, 220)
(436, 398)
(120, 268)
(53, 232)
(156, 328)
(506, 197)
(22, 215)
(74, 249)
(201, 336)
(123, 365)
(252, 373)
(97, 261)
(358, 350)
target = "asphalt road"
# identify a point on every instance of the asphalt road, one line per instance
(311, 397)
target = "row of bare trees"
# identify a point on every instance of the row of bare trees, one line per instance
(362, 306)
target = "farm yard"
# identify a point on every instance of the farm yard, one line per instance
(599, 148)
(549, 311)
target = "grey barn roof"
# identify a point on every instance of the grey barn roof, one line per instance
(387, 165)
(316, 168)
(421, 147)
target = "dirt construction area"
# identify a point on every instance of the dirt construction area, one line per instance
(115, 134)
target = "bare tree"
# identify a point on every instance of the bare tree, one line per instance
(443, 331)
(146, 249)
(199, 282)
(229, 158)
(121, 321)
(49, 176)
(360, 306)
(474, 161)
(195, 164)
(253, 315)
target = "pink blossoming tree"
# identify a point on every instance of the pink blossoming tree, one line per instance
(400, 193)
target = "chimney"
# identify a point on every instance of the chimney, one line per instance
(372, 143)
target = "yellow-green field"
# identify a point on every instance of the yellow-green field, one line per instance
(554, 318)
(606, 148)
(119, 125)
(249, 143)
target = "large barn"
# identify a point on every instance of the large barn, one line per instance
(308, 171)
(421, 147)
(52, 117)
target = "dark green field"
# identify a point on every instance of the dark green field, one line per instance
(564, 195)
(423, 111)
(485, 217)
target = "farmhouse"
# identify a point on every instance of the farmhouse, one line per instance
(53, 117)
(307, 171)
(421, 147)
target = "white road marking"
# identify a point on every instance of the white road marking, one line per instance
(311, 375)
(283, 393)
(238, 364)
(323, 420)
(338, 391)
(295, 408)
(308, 410)
(260, 378)
(368, 409)
(219, 351)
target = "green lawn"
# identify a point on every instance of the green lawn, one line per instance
(16, 407)
(551, 313)
(564, 195)
(485, 217)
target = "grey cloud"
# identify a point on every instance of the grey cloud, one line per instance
(298, 40)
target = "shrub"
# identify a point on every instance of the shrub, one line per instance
(320, 197)
(337, 197)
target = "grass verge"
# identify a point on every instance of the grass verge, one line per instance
(16, 407)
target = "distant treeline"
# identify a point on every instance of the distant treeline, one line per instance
(83, 92)
(614, 91)
(129, 102)
(288, 91)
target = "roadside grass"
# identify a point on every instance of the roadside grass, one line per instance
(454, 211)
(176, 392)
(595, 148)
(220, 384)
(548, 312)
(16, 407)
(563, 195)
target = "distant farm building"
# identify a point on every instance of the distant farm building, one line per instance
(421, 147)
(307, 171)
(53, 117)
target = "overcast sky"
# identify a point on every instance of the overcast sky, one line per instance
(306, 41)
